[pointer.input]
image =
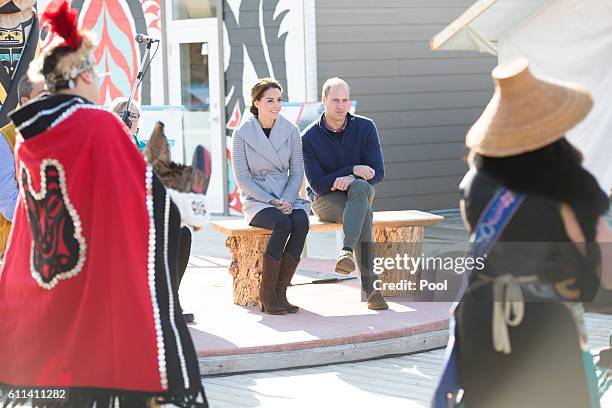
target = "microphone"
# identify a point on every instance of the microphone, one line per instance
(145, 39)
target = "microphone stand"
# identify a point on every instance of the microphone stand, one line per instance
(126, 115)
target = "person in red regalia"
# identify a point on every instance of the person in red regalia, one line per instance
(88, 300)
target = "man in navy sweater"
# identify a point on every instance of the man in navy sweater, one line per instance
(343, 161)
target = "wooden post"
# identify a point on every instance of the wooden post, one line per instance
(391, 241)
(247, 266)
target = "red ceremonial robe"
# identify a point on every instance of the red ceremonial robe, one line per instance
(86, 300)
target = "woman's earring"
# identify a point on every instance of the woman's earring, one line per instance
(71, 84)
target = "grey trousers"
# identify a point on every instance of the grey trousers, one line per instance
(352, 209)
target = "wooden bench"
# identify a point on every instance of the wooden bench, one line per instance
(248, 244)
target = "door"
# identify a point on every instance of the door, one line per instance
(193, 82)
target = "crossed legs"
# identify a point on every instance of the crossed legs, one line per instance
(352, 209)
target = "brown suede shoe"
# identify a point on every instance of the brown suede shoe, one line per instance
(345, 264)
(376, 301)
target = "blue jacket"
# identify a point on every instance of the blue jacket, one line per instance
(327, 157)
(8, 183)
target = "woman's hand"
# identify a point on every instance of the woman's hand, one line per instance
(283, 206)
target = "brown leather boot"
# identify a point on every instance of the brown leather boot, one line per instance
(287, 270)
(267, 291)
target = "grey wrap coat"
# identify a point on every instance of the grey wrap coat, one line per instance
(268, 168)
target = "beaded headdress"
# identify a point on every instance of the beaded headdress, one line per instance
(71, 53)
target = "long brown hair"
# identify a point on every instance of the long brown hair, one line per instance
(260, 87)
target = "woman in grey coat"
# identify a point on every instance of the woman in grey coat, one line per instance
(269, 169)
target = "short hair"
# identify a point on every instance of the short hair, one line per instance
(335, 81)
(24, 87)
(119, 104)
(260, 87)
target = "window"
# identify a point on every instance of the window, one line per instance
(189, 9)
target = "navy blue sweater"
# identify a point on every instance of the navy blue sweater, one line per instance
(327, 157)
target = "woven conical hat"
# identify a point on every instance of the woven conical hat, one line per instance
(526, 112)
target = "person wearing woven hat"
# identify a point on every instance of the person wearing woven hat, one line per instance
(527, 200)
(89, 307)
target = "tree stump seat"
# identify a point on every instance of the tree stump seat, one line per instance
(401, 230)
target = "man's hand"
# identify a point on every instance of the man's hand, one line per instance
(342, 183)
(363, 171)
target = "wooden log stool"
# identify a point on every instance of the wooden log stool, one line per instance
(401, 231)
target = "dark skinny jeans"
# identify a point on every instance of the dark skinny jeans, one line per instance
(288, 231)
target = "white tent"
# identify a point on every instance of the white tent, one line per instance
(564, 39)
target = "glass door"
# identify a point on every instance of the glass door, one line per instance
(193, 82)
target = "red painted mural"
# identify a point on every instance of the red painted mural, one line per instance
(115, 24)
(117, 52)
(152, 12)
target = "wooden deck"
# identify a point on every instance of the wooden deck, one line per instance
(407, 381)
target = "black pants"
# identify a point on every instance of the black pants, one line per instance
(183, 255)
(288, 231)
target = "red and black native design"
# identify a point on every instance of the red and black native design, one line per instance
(57, 246)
